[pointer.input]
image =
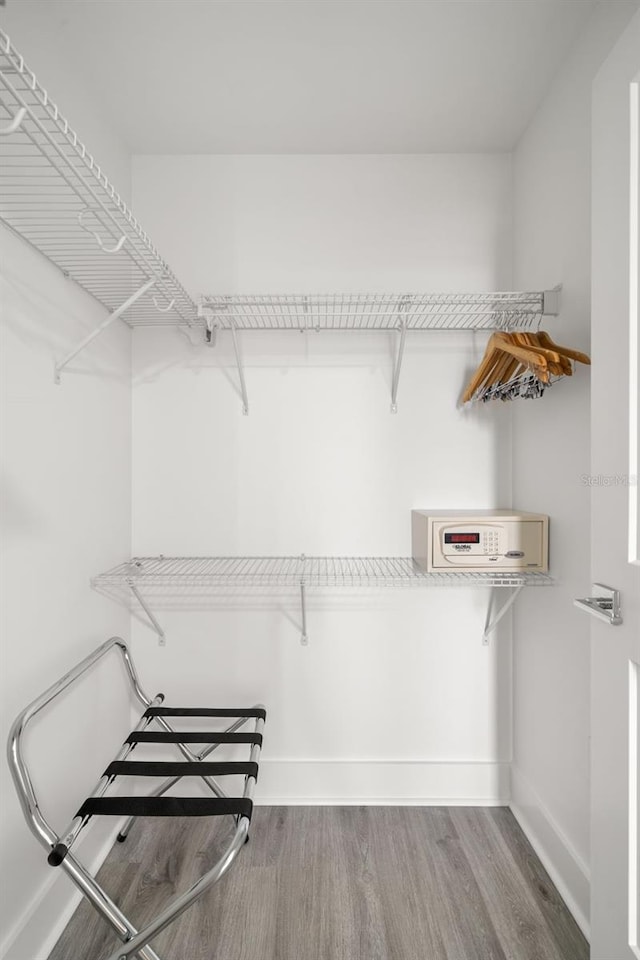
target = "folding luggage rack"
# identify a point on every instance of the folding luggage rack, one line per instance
(156, 804)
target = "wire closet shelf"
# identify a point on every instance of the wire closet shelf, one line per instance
(145, 583)
(378, 311)
(210, 572)
(54, 194)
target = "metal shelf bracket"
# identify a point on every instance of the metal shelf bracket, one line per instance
(397, 363)
(243, 386)
(211, 326)
(211, 336)
(155, 626)
(304, 637)
(103, 326)
(493, 619)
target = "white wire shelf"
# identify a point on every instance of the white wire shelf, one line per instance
(379, 311)
(55, 195)
(204, 572)
(397, 312)
(185, 582)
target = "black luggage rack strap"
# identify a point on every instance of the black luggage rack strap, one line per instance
(161, 806)
(206, 712)
(154, 804)
(191, 736)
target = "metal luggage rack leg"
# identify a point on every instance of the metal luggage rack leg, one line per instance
(156, 804)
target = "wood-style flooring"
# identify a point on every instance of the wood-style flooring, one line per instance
(339, 883)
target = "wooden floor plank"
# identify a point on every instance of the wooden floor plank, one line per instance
(564, 928)
(338, 883)
(367, 912)
(88, 935)
(465, 920)
(519, 924)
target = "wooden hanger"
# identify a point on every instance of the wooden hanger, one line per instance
(511, 355)
(495, 368)
(546, 341)
(559, 365)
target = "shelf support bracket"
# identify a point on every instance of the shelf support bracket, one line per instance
(304, 638)
(211, 327)
(243, 386)
(397, 364)
(155, 626)
(103, 326)
(492, 621)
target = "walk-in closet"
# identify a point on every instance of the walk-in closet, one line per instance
(320, 515)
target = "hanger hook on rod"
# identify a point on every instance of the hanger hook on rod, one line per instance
(14, 124)
(118, 246)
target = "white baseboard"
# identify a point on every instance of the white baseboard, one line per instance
(35, 933)
(382, 782)
(562, 862)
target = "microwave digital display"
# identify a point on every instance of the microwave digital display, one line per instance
(462, 538)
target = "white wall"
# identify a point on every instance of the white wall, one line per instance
(551, 454)
(66, 513)
(395, 698)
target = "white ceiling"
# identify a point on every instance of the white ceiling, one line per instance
(312, 76)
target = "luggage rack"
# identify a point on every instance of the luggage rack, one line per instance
(151, 581)
(155, 804)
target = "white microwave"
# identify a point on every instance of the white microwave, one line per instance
(479, 540)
